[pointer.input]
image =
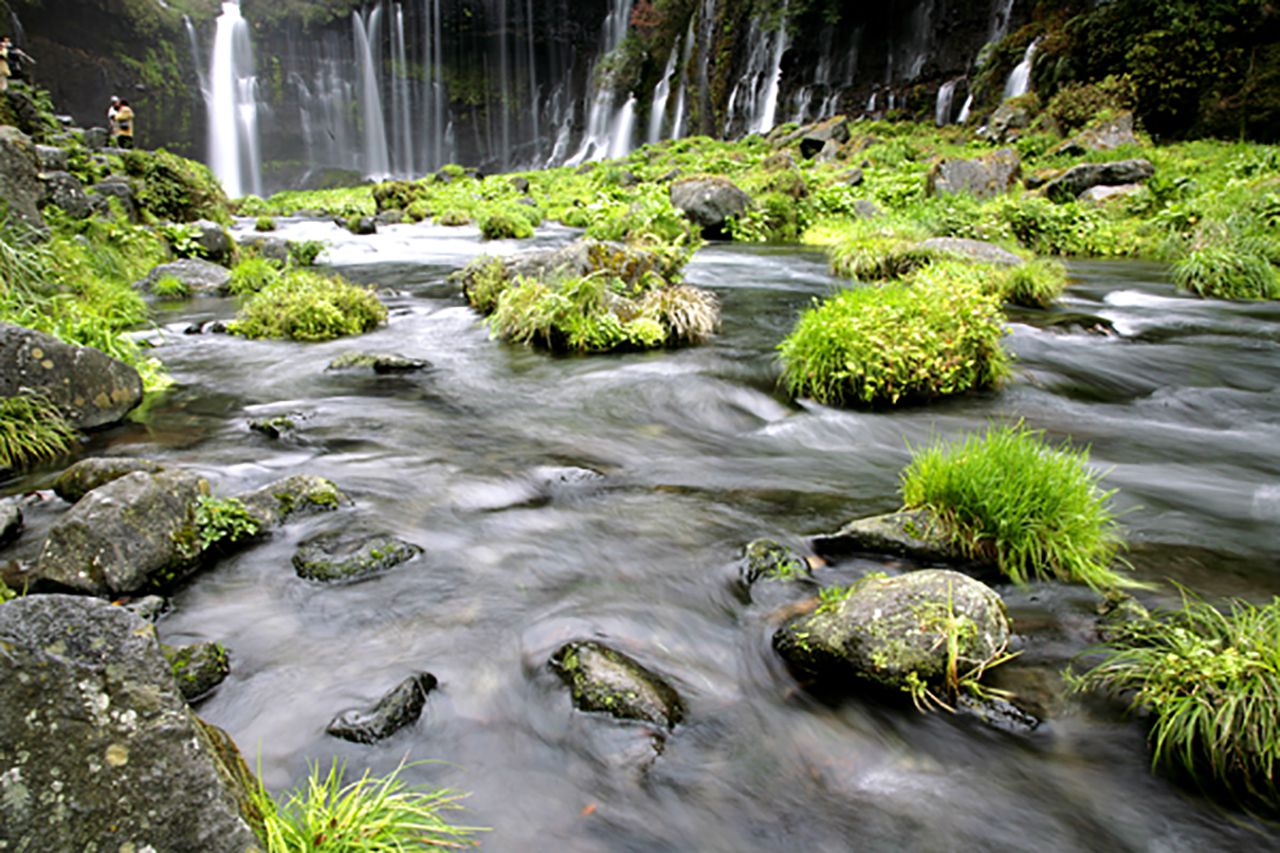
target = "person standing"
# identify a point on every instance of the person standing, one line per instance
(5, 71)
(122, 126)
(111, 113)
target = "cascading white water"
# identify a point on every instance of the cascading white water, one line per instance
(965, 110)
(377, 162)
(624, 129)
(402, 161)
(602, 122)
(756, 94)
(1001, 14)
(232, 106)
(942, 109)
(661, 94)
(682, 94)
(1020, 78)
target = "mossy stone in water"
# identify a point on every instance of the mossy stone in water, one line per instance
(398, 707)
(198, 668)
(337, 556)
(378, 362)
(88, 474)
(770, 560)
(602, 679)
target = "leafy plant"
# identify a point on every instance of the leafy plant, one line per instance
(264, 223)
(183, 238)
(368, 815)
(31, 429)
(1211, 681)
(171, 287)
(252, 275)
(505, 224)
(304, 252)
(1034, 284)
(303, 305)
(223, 520)
(1010, 499)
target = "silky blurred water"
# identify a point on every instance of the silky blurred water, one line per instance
(700, 453)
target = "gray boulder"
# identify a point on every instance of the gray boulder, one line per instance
(63, 190)
(1074, 181)
(197, 668)
(10, 522)
(115, 187)
(1008, 122)
(98, 749)
(978, 251)
(132, 534)
(398, 707)
(886, 629)
(271, 248)
(299, 494)
(1105, 136)
(912, 534)
(1103, 195)
(380, 363)
(200, 276)
(95, 138)
(708, 202)
(767, 559)
(89, 388)
(20, 185)
(983, 177)
(825, 135)
(603, 679)
(361, 226)
(87, 474)
(346, 556)
(864, 209)
(52, 158)
(215, 241)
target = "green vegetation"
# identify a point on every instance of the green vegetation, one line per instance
(1211, 683)
(32, 429)
(304, 305)
(252, 275)
(171, 287)
(1228, 272)
(305, 252)
(927, 336)
(366, 815)
(170, 187)
(1009, 498)
(223, 520)
(264, 223)
(504, 224)
(6, 594)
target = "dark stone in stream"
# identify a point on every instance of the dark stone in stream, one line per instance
(10, 522)
(134, 533)
(275, 502)
(708, 202)
(602, 679)
(98, 749)
(380, 363)
(88, 474)
(770, 560)
(399, 707)
(885, 630)
(197, 668)
(214, 240)
(997, 713)
(1076, 322)
(345, 556)
(911, 534)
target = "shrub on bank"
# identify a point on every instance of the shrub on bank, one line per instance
(252, 275)
(1227, 272)
(304, 305)
(175, 188)
(897, 342)
(1034, 284)
(1009, 498)
(504, 223)
(1210, 681)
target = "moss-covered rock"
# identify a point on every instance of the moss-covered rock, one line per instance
(602, 679)
(768, 559)
(88, 474)
(380, 363)
(915, 535)
(341, 556)
(299, 494)
(167, 186)
(198, 668)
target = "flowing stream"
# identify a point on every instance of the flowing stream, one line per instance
(699, 453)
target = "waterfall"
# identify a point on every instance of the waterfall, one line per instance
(682, 94)
(232, 106)
(658, 111)
(533, 80)
(757, 90)
(942, 109)
(1001, 14)
(1020, 77)
(376, 159)
(402, 102)
(964, 110)
(599, 139)
(623, 129)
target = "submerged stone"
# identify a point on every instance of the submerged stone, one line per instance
(342, 556)
(603, 679)
(88, 474)
(274, 427)
(913, 534)
(381, 363)
(275, 502)
(198, 667)
(769, 559)
(399, 707)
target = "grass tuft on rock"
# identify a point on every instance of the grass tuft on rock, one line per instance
(1211, 683)
(32, 429)
(914, 340)
(1227, 272)
(1011, 499)
(370, 815)
(304, 305)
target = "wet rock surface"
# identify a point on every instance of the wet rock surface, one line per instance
(606, 680)
(88, 474)
(380, 363)
(911, 534)
(768, 559)
(200, 276)
(708, 203)
(337, 556)
(20, 185)
(399, 707)
(197, 668)
(10, 522)
(299, 494)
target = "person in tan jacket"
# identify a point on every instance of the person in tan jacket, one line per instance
(122, 127)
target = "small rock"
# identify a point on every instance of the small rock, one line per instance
(815, 138)
(361, 226)
(1074, 181)
(1102, 195)
(52, 158)
(88, 474)
(851, 177)
(149, 607)
(399, 707)
(64, 191)
(381, 363)
(271, 248)
(10, 522)
(520, 184)
(602, 679)
(912, 534)
(274, 427)
(275, 502)
(708, 202)
(343, 556)
(771, 560)
(1107, 136)
(214, 241)
(983, 177)
(95, 138)
(997, 713)
(198, 668)
(864, 209)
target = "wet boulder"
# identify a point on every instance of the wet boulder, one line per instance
(114, 189)
(90, 388)
(361, 226)
(201, 277)
(10, 522)
(64, 190)
(197, 668)
(886, 629)
(1074, 181)
(52, 158)
(336, 556)
(98, 749)
(768, 559)
(134, 533)
(88, 474)
(399, 707)
(983, 177)
(214, 241)
(20, 185)
(277, 426)
(299, 494)
(271, 248)
(380, 363)
(913, 534)
(708, 202)
(606, 680)
(977, 251)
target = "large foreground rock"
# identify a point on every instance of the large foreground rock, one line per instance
(89, 388)
(886, 629)
(132, 534)
(98, 750)
(64, 190)
(603, 679)
(708, 202)
(990, 175)
(1071, 183)
(20, 185)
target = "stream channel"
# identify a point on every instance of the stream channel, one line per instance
(700, 453)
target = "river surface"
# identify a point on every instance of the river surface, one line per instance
(700, 453)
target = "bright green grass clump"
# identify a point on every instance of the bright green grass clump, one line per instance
(1034, 284)
(31, 429)
(1009, 498)
(1227, 272)
(368, 815)
(913, 340)
(252, 275)
(1211, 681)
(304, 305)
